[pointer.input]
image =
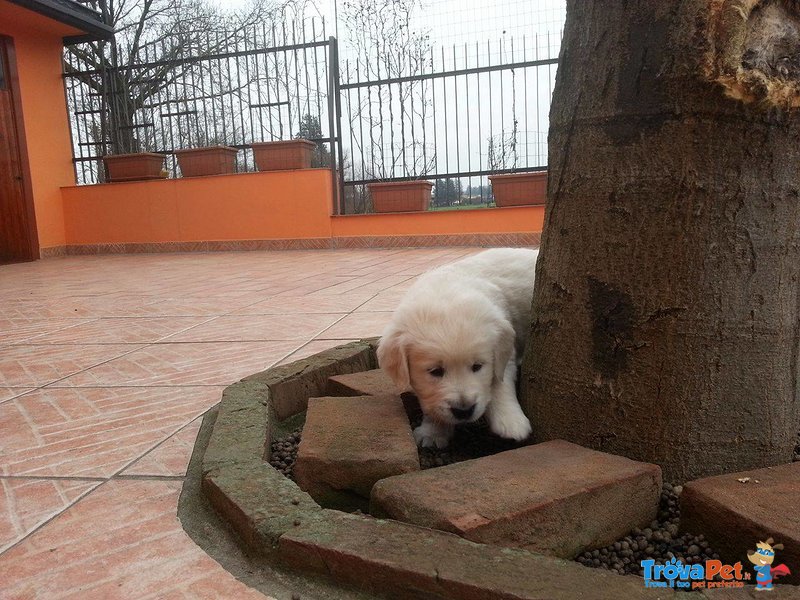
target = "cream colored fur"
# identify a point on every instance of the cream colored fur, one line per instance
(470, 319)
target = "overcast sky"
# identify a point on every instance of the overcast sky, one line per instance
(458, 21)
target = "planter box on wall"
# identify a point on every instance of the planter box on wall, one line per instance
(135, 167)
(280, 156)
(400, 196)
(210, 160)
(516, 189)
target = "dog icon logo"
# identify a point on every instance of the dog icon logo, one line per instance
(762, 559)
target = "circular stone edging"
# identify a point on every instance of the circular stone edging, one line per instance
(280, 522)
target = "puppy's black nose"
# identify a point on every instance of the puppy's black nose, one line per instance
(462, 413)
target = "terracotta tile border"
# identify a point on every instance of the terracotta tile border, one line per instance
(52, 251)
(281, 523)
(396, 241)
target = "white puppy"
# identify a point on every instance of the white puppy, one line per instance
(455, 340)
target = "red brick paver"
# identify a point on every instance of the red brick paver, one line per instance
(556, 498)
(367, 383)
(350, 443)
(738, 510)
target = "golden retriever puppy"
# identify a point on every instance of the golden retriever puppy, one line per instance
(455, 340)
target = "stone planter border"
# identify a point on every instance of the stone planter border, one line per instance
(279, 522)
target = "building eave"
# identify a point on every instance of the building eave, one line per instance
(73, 14)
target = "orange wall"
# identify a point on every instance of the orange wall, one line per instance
(518, 219)
(255, 206)
(247, 206)
(38, 47)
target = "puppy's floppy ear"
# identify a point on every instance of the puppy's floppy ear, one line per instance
(503, 348)
(393, 356)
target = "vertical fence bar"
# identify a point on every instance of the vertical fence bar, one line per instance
(296, 83)
(446, 135)
(480, 116)
(334, 126)
(515, 129)
(316, 73)
(306, 72)
(455, 97)
(350, 127)
(525, 102)
(423, 117)
(402, 111)
(371, 126)
(469, 141)
(360, 121)
(502, 108)
(490, 159)
(382, 148)
(338, 102)
(433, 100)
(286, 83)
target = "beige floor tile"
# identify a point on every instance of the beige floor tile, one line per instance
(314, 347)
(358, 325)
(171, 457)
(199, 306)
(25, 504)
(254, 328)
(179, 364)
(317, 303)
(93, 432)
(122, 541)
(134, 407)
(7, 393)
(32, 366)
(24, 328)
(121, 330)
(385, 301)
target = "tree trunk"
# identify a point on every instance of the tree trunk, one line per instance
(665, 314)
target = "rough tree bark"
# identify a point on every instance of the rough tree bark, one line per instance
(665, 316)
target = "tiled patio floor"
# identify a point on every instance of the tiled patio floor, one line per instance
(106, 366)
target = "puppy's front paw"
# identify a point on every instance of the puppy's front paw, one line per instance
(432, 435)
(509, 422)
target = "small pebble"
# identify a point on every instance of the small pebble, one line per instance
(660, 541)
(284, 453)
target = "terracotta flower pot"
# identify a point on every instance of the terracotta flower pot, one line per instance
(135, 167)
(400, 196)
(210, 160)
(280, 156)
(516, 189)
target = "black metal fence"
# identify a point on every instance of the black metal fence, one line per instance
(233, 88)
(453, 115)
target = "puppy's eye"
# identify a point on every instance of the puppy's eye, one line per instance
(476, 367)
(437, 372)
